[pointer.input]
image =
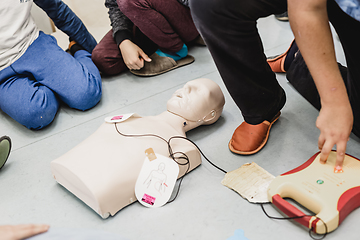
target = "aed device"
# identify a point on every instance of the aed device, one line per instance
(331, 196)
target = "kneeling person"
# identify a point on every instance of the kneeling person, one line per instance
(36, 75)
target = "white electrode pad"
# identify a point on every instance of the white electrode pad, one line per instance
(156, 179)
(120, 118)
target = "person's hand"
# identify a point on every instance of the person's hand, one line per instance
(335, 125)
(17, 232)
(133, 55)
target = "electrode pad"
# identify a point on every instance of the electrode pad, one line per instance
(156, 179)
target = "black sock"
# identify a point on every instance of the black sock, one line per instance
(74, 48)
(290, 56)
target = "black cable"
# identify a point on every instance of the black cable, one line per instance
(187, 162)
(278, 218)
(324, 235)
(139, 135)
(200, 152)
(297, 217)
(182, 177)
(172, 154)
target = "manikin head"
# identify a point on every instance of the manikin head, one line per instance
(199, 102)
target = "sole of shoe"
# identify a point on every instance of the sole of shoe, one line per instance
(283, 19)
(182, 62)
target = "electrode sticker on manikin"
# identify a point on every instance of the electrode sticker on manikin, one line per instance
(156, 179)
(121, 117)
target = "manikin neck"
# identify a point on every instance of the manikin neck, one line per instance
(179, 123)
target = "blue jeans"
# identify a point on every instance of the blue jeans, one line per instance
(32, 88)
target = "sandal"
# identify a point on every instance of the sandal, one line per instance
(249, 139)
(5, 147)
(159, 65)
(277, 62)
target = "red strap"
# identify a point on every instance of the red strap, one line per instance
(291, 211)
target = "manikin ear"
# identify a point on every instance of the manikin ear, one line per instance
(209, 117)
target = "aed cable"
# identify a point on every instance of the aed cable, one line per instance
(178, 159)
(183, 156)
(297, 217)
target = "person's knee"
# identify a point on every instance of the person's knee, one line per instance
(198, 9)
(106, 64)
(216, 11)
(39, 118)
(39, 113)
(211, 15)
(88, 96)
(97, 54)
(99, 59)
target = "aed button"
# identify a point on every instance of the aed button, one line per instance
(320, 181)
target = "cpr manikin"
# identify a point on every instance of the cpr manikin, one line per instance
(103, 169)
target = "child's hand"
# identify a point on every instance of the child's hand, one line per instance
(133, 55)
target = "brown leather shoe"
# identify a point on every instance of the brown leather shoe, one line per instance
(277, 62)
(249, 139)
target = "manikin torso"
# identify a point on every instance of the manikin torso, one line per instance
(103, 169)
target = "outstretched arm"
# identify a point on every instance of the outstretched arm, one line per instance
(310, 24)
(67, 21)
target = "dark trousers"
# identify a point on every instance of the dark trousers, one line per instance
(229, 30)
(164, 24)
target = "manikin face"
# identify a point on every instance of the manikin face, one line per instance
(196, 99)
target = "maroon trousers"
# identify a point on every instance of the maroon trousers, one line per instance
(158, 24)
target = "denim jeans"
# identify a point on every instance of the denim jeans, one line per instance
(32, 88)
